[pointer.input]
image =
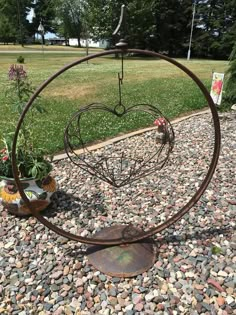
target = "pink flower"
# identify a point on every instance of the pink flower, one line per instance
(217, 86)
(5, 158)
(3, 150)
(16, 73)
(161, 124)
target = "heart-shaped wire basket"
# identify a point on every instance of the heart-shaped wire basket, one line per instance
(113, 163)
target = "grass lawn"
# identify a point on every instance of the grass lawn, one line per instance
(146, 81)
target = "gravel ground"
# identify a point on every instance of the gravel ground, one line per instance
(194, 273)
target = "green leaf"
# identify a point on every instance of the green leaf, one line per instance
(216, 250)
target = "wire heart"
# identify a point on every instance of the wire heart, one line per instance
(116, 164)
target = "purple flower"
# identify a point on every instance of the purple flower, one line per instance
(17, 73)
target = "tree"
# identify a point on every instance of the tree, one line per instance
(230, 91)
(71, 21)
(7, 30)
(173, 23)
(214, 20)
(45, 12)
(14, 14)
(229, 36)
(151, 24)
(141, 21)
(102, 18)
(139, 24)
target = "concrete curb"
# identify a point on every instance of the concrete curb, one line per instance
(127, 135)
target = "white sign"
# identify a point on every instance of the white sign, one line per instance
(217, 87)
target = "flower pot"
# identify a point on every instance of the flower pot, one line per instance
(39, 192)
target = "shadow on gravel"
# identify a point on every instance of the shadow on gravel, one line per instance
(61, 203)
(176, 240)
(199, 235)
(64, 203)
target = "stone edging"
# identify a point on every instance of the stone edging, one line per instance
(127, 135)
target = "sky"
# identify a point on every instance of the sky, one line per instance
(30, 15)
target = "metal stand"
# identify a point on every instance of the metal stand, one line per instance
(122, 250)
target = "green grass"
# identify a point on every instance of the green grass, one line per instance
(146, 81)
(38, 47)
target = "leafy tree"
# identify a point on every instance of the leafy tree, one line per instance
(154, 24)
(173, 22)
(214, 19)
(229, 36)
(230, 91)
(14, 13)
(141, 22)
(138, 27)
(103, 17)
(7, 30)
(45, 12)
(164, 25)
(71, 18)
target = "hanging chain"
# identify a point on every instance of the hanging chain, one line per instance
(120, 79)
(120, 108)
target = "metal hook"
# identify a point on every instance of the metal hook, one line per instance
(120, 21)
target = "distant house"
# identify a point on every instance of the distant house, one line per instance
(56, 41)
(95, 44)
(74, 42)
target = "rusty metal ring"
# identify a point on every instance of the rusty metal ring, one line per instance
(169, 221)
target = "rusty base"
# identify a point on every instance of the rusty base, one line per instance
(126, 260)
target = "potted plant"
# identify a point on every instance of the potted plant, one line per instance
(33, 168)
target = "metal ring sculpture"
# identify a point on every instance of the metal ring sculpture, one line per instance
(127, 237)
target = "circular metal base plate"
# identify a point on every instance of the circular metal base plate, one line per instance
(126, 260)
